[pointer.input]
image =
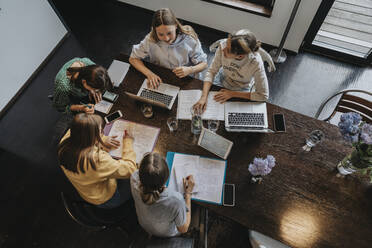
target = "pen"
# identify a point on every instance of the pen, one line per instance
(86, 105)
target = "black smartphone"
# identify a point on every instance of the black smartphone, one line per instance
(113, 116)
(229, 195)
(279, 123)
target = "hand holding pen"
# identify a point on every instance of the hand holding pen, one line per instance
(88, 108)
(188, 184)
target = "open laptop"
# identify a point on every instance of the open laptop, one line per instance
(164, 96)
(246, 117)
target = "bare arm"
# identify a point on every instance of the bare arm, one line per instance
(188, 184)
(152, 78)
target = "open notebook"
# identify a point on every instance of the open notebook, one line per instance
(209, 176)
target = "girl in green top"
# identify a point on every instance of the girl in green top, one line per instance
(79, 83)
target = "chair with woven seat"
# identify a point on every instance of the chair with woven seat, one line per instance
(358, 101)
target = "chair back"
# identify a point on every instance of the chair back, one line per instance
(350, 102)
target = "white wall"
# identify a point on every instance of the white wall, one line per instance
(268, 30)
(29, 30)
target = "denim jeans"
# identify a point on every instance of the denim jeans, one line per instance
(121, 195)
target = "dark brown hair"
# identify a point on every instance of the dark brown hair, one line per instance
(166, 17)
(77, 150)
(96, 77)
(244, 42)
(153, 174)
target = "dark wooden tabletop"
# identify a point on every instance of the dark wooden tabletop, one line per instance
(301, 203)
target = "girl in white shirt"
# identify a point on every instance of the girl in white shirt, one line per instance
(170, 45)
(242, 70)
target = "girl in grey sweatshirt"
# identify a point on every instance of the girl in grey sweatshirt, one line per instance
(242, 70)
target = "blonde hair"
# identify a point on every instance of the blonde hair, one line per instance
(76, 150)
(244, 42)
(153, 174)
(166, 17)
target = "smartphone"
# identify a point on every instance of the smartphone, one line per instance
(109, 96)
(229, 195)
(113, 116)
(279, 123)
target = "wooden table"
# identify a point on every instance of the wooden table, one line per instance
(301, 203)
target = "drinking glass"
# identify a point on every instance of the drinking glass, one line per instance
(314, 138)
(196, 121)
(147, 110)
(213, 125)
(172, 123)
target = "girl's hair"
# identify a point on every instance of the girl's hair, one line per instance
(244, 42)
(153, 174)
(166, 17)
(96, 77)
(78, 149)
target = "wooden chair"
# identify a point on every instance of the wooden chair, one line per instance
(349, 102)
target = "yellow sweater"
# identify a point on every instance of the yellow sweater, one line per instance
(98, 186)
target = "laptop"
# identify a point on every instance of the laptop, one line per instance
(164, 96)
(246, 117)
(117, 71)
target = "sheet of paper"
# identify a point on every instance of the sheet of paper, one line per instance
(185, 165)
(208, 174)
(144, 137)
(212, 172)
(103, 106)
(117, 71)
(187, 98)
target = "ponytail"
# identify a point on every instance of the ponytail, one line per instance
(153, 174)
(244, 42)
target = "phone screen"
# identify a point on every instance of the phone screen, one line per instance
(113, 116)
(279, 122)
(228, 195)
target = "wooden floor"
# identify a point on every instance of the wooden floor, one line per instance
(32, 214)
(347, 28)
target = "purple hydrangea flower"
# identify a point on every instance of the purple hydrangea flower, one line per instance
(271, 161)
(261, 167)
(348, 126)
(366, 134)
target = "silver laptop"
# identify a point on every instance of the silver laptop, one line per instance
(164, 96)
(246, 117)
(117, 71)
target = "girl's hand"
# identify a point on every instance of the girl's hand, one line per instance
(112, 143)
(188, 184)
(88, 109)
(201, 105)
(153, 80)
(96, 95)
(182, 71)
(223, 95)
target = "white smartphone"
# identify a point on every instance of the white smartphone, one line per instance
(229, 194)
(113, 116)
(109, 96)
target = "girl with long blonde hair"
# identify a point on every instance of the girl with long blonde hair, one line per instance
(170, 45)
(84, 157)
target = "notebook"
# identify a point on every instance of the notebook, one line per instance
(246, 117)
(117, 71)
(164, 96)
(209, 176)
(145, 137)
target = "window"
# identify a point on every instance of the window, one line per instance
(258, 7)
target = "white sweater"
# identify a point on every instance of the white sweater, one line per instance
(240, 75)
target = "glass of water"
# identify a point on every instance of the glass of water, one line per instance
(147, 110)
(314, 138)
(172, 123)
(213, 125)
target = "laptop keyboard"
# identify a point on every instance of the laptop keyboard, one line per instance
(156, 96)
(246, 119)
